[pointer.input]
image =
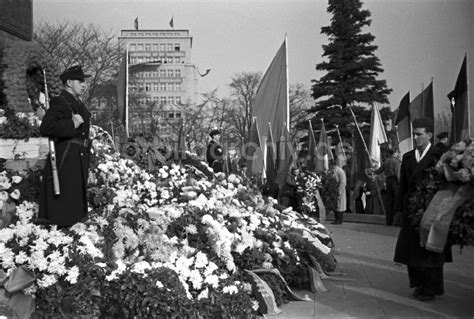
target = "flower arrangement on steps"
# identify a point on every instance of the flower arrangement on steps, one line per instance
(172, 244)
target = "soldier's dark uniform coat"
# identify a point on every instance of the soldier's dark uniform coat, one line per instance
(71, 205)
(408, 250)
(214, 156)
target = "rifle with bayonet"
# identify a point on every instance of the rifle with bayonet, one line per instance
(52, 147)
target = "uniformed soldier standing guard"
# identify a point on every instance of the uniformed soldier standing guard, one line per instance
(67, 122)
(214, 153)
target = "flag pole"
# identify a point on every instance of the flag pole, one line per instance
(340, 139)
(370, 160)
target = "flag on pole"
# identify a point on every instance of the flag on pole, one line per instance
(312, 149)
(341, 158)
(122, 91)
(404, 130)
(271, 102)
(172, 22)
(270, 169)
(460, 106)
(284, 156)
(181, 139)
(422, 105)
(359, 162)
(253, 151)
(324, 153)
(135, 23)
(377, 137)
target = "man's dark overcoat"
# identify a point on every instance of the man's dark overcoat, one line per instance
(215, 156)
(408, 250)
(72, 161)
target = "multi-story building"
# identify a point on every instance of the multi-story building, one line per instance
(162, 79)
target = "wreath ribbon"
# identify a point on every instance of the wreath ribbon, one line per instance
(434, 226)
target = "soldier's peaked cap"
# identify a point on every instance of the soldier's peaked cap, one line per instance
(73, 73)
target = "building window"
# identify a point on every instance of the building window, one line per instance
(169, 87)
(162, 73)
(133, 47)
(170, 99)
(178, 100)
(177, 59)
(170, 115)
(169, 46)
(177, 47)
(162, 87)
(147, 47)
(177, 87)
(170, 73)
(162, 100)
(140, 47)
(177, 73)
(169, 59)
(155, 47)
(155, 87)
(162, 47)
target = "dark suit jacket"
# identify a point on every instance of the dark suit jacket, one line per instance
(71, 205)
(408, 250)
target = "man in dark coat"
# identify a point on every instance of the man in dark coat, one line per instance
(67, 122)
(214, 153)
(443, 143)
(425, 268)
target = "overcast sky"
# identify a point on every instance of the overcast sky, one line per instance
(417, 39)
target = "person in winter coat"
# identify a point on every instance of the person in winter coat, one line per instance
(67, 122)
(340, 177)
(425, 268)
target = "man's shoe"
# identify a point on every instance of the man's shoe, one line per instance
(418, 292)
(423, 297)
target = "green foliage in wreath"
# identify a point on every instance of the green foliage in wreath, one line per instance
(16, 127)
(461, 230)
(22, 77)
(277, 286)
(329, 191)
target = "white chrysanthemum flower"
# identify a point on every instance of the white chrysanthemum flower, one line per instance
(195, 279)
(140, 267)
(16, 179)
(72, 274)
(159, 284)
(46, 281)
(212, 280)
(230, 290)
(203, 294)
(191, 229)
(6, 234)
(200, 260)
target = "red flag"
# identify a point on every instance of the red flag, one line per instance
(271, 100)
(422, 105)
(460, 119)
(122, 91)
(360, 160)
(404, 131)
(270, 169)
(312, 149)
(324, 153)
(284, 156)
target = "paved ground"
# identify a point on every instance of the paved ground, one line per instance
(375, 287)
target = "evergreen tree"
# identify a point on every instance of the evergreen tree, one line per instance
(351, 65)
